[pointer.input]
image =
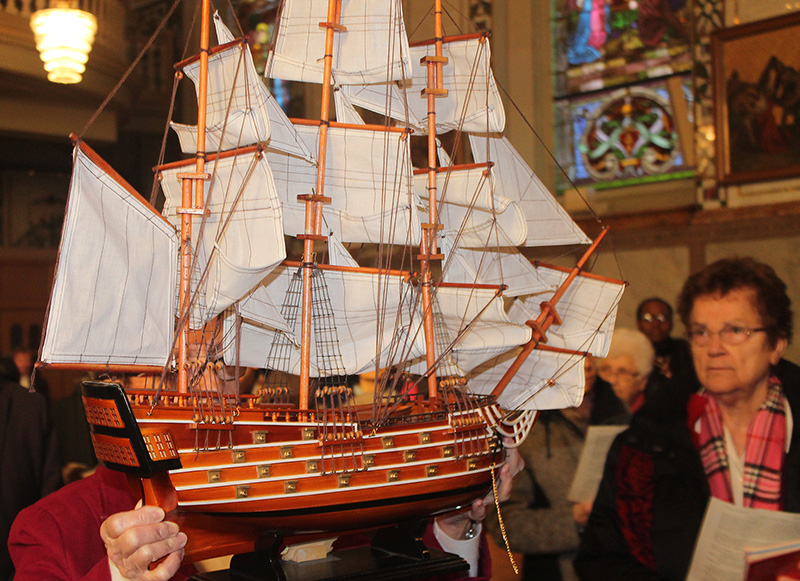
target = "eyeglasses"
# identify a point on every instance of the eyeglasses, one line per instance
(651, 318)
(730, 334)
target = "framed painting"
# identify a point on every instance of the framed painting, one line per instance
(757, 100)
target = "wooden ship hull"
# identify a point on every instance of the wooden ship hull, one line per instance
(290, 471)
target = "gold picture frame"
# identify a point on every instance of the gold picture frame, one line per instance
(756, 69)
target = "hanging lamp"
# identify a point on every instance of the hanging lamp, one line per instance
(64, 37)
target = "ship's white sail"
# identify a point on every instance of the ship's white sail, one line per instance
(476, 322)
(553, 379)
(501, 265)
(588, 310)
(548, 222)
(237, 105)
(474, 319)
(547, 380)
(241, 110)
(367, 177)
(472, 103)
(472, 214)
(112, 299)
(240, 238)
(338, 254)
(374, 48)
(345, 112)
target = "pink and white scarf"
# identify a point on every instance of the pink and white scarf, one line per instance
(763, 457)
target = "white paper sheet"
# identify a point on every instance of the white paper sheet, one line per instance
(590, 465)
(727, 530)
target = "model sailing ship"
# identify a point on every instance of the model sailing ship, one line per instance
(467, 340)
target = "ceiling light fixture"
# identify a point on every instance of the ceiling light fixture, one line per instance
(64, 37)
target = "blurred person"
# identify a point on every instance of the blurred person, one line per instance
(673, 355)
(24, 359)
(627, 367)
(733, 439)
(28, 465)
(75, 449)
(8, 369)
(539, 519)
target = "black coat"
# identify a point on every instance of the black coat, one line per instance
(654, 491)
(28, 465)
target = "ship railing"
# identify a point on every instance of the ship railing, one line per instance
(414, 418)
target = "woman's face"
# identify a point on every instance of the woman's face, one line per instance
(725, 369)
(621, 372)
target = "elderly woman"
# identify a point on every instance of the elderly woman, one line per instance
(627, 367)
(731, 439)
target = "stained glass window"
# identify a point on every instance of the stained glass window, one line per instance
(622, 88)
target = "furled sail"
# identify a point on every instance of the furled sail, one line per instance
(240, 237)
(472, 103)
(112, 300)
(374, 48)
(367, 177)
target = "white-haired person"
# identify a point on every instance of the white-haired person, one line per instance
(627, 367)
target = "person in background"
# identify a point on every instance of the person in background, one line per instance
(23, 359)
(8, 369)
(733, 439)
(673, 356)
(627, 367)
(75, 450)
(28, 465)
(539, 520)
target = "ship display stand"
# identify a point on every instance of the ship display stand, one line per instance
(395, 552)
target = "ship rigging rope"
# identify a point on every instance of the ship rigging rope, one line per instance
(446, 351)
(383, 260)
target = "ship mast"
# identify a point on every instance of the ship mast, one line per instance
(193, 204)
(428, 248)
(315, 201)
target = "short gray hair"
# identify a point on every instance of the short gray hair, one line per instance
(637, 345)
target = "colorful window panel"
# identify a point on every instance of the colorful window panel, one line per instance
(606, 43)
(623, 136)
